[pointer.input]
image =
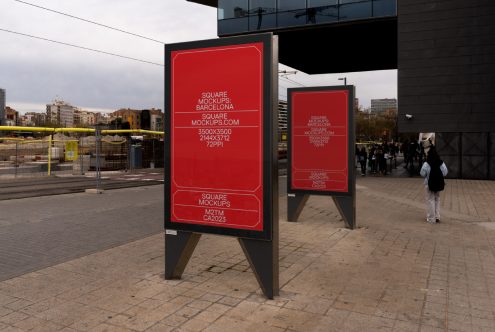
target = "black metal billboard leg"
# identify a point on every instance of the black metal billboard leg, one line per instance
(178, 250)
(295, 204)
(347, 208)
(263, 259)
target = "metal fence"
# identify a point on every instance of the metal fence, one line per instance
(77, 154)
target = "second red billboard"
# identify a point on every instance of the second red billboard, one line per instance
(319, 139)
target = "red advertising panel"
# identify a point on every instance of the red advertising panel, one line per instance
(217, 105)
(319, 140)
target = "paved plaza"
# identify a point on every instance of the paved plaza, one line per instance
(394, 273)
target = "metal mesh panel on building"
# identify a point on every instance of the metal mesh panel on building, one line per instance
(447, 145)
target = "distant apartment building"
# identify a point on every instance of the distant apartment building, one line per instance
(157, 119)
(11, 117)
(151, 119)
(103, 118)
(60, 113)
(2, 106)
(382, 105)
(85, 118)
(129, 115)
(33, 119)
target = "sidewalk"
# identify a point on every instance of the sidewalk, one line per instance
(394, 273)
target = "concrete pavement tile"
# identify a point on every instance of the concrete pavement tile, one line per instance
(12, 329)
(238, 294)
(264, 313)
(296, 320)
(242, 310)
(381, 313)
(140, 319)
(436, 299)
(209, 316)
(460, 327)
(41, 306)
(458, 318)
(349, 306)
(481, 313)
(181, 300)
(37, 324)
(482, 322)
(199, 304)
(149, 304)
(427, 328)
(5, 311)
(401, 326)
(211, 297)
(480, 305)
(104, 327)
(113, 304)
(187, 312)
(318, 306)
(151, 291)
(194, 293)
(12, 318)
(231, 324)
(459, 308)
(361, 322)
(434, 310)
(174, 320)
(93, 318)
(169, 294)
(230, 301)
(17, 305)
(296, 304)
(258, 298)
(159, 327)
(6, 299)
(65, 314)
(195, 325)
(433, 322)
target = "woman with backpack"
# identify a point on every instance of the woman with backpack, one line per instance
(434, 170)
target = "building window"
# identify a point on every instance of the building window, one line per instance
(354, 9)
(238, 16)
(322, 11)
(262, 15)
(384, 8)
(232, 9)
(232, 16)
(291, 12)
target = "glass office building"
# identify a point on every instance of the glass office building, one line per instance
(243, 16)
(443, 52)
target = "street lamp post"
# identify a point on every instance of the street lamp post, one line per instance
(343, 79)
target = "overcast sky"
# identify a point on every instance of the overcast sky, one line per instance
(35, 72)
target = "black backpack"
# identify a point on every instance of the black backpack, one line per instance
(436, 181)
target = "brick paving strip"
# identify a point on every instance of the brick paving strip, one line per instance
(394, 273)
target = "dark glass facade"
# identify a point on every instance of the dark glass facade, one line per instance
(240, 16)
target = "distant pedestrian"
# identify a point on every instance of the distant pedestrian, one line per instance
(363, 155)
(434, 170)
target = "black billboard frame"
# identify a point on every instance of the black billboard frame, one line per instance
(345, 201)
(260, 247)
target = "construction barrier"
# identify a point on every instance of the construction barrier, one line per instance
(74, 151)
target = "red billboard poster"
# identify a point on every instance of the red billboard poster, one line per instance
(218, 109)
(319, 142)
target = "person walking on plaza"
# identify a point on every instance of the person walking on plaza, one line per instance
(434, 170)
